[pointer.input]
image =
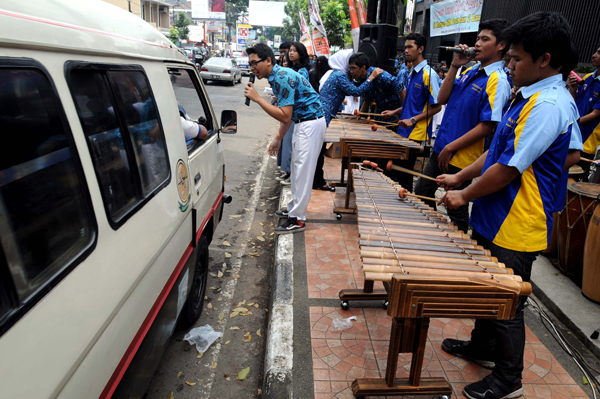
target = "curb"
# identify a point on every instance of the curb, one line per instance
(277, 382)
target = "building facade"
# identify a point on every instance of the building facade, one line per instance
(155, 12)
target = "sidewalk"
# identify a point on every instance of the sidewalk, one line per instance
(326, 260)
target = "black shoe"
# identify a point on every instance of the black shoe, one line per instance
(282, 213)
(461, 348)
(326, 187)
(292, 225)
(491, 388)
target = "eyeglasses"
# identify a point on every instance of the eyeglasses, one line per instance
(254, 63)
(354, 68)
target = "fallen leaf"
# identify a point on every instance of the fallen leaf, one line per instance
(179, 374)
(212, 288)
(224, 266)
(256, 305)
(243, 374)
(213, 274)
(258, 333)
(214, 366)
(171, 396)
(247, 210)
(584, 380)
(234, 216)
(199, 355)
(248, 338)
(262, 224)
(235, 275)
(221, 315)
(234, 328)
(227, 255)
(259, 238)
(259, 391)
(240, 310)
(190, 383)
(233, 314)
(228, 378)
(226, 243)
(220, 274)
(209, 306)
(227, 342)
(219, 299)
(251, 303)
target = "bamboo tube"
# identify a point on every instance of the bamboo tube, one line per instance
(388, 253)
(430, 260)
(420, 271)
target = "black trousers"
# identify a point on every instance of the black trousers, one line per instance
(585, 165)
(319, 180)
(460, 216)
(504, 340)
(404, 179)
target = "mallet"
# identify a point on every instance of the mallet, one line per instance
(358, 113)
(403, 193)
(373, 165)
(390, 166)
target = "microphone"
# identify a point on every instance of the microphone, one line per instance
(252, 77)
(469, 53)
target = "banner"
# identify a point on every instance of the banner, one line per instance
(455, 16)
(208, 9)
(305, 38)
(303, 25)
(321, 44)
(358, 17)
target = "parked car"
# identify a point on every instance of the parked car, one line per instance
(243, 64)
(218, 68)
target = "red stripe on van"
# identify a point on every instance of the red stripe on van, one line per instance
(82, 28)
(112, 384)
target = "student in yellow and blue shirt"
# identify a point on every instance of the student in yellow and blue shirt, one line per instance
(420, 103)
(516, 191)
(474, 106)
(587, 95)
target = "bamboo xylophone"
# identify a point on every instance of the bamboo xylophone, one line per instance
(429, 269)
(357, 140)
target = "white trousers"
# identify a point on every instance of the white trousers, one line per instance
(306, 146)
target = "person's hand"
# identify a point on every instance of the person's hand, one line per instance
(274, 147)
(387, 114)
(376, 72)
(444, 158)
(448, 182)
(251, 93)
(406, 123)
(453, 199)
(459, 58)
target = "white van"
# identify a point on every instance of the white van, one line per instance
(106, 212)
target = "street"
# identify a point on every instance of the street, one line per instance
(241, 258)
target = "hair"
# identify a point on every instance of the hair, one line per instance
(262, 51)
(570, 63)
(303, 61)
(360, 60)
(497, 26)
(285, 58)
(541, 33)
(285, 45)
(321, 66)
(419, 40)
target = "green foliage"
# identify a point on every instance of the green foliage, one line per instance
(336, 19)
(584, 70)
(262, 39)
(174, 36)
(291, 24)
(182, 26)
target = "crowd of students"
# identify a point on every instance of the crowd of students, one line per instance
(514, 120)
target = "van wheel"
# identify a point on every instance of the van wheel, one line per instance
(205, 81)
(240, 80)
(193, 305)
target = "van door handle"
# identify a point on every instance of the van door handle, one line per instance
(197, 178)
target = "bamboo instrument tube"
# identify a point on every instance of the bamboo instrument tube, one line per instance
(419, 271)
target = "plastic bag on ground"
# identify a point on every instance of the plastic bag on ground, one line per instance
(342, 324)
(203, 337)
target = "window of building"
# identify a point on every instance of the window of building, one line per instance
(124, 134)
(46, 220)
(190, 99)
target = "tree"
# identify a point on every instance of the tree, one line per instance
(174, 36)
(336, 20)
(262, 39)
(291, 24)
(182, 25)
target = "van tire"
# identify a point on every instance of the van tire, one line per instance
(205, 81)
(193, 305)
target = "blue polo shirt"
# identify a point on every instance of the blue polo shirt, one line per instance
(478, 95)
(534, 137)
(561, 194)
(385, 91)
(588, 99)
(292, 89)
(422, 88)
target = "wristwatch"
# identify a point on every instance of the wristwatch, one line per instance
(413, 120)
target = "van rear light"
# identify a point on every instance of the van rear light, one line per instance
(227, 71)
(204, 70)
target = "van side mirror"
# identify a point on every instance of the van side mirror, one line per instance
(228, 121)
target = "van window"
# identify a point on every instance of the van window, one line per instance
(189, 96)
(46, 222)
(120, 120)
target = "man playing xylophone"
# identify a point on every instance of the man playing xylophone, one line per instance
(516, 192)
(297, 101)
(474, 105)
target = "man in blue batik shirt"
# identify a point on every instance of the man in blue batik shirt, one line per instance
(297, 101)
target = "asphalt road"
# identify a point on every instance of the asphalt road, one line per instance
(240, 272)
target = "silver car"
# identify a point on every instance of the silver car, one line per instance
(218, 68)
(243, 64)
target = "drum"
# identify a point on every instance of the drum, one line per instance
(591, 259)
(576, 173)
(572, 227)
(553, 241)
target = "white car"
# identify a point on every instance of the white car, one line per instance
(243, 64)
(218, 68)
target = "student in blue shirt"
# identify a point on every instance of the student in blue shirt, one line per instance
(474, 106)
(420, 103)
(516, 191)
(587, 95)
(300, 59)
(297, 101)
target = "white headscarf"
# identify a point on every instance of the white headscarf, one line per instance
(337, 62)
